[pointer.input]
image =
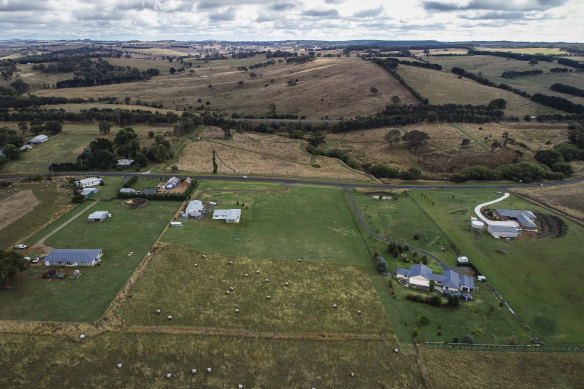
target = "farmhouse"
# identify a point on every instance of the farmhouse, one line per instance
(91, 181)
(194, 209)
(172, 183)
(503, 231)
(229, 215)
(419, 277)
(524, 218)
(98, 216)
(38, 139)
(88, 192)
(73, 257)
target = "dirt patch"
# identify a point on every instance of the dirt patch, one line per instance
(16, 206)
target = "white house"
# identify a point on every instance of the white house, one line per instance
(91, 181)
(229, 215)
(38, 139)
(98, 216)
(73, 257)
(194, 209)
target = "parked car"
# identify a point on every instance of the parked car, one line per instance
(27, 258)
(20, 246)
(244, 177)
(36, 259)
(212, 203)
(481, 278)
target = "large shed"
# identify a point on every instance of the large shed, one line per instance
(91, 181)
(229, 215)
(38, 139)
(503, 231)
(73, 257)
(98, 216)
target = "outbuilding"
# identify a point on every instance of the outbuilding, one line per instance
(98, 216)
(128, 190)
(125, 162)
(503, 231)
(73, 257)
(38, 139)
(88, 192)
(229, 215)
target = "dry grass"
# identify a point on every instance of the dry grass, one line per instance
(441, 87)
(16, 206)
(337, 87)
(79, 107)
(245, 155)
(526, 50)
(566, 198)
(482, 369)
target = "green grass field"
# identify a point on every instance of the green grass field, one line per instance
(84, 300)
(308, 222)
(53, 202)
(196, 295)
(527, 276)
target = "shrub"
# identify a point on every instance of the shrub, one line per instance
(424, 321)
(466, 338)
(381, 264)
(77, 199)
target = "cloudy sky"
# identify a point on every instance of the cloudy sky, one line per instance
(237, 20)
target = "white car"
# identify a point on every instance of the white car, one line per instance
(36, 259)
(27, 258)
(20, 246)
(481, 278)
(212, 203)
(244, 177)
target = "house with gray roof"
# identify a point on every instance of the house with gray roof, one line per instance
(229, 215)
(524, 218)
(419, 276)
(503, 231)
(73, 257)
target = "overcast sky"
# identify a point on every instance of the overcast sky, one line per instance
(237, 20)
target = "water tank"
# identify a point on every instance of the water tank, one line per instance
(479, 225)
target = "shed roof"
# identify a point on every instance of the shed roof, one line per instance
(194, 206)
(522, 216)
(228, 214)
(98, 214)
(467, 281)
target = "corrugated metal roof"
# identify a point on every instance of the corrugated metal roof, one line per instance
(73, 255)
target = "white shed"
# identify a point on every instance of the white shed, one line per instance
(98, 216)
(91, 181)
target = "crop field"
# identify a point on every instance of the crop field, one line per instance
(196, 292)
(147, 359)
(441, 87)
(124, 239)
(565, 198)
(262, 154)
(493, 67)
(27, 207)
(288, 223)
(503, 369)
(525, 271)
(315, 95)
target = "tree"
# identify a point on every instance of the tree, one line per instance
(432, 285)
(395, 100)
(150, 134)
(240, 83)
(20, 86)
(105, 127)
(533, 61)
(53, 127)
(172, 70)
(127, 100)
(22, 127)
(214, 163)
(465, 143)
(11, 263)
(316, 139)
(548, 157)
(11, 152)
(381, 264)
(416, 139)
(392, 136)
(374, 90)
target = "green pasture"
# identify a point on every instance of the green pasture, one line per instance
(195, 291)
(52, 202)
(45, 361)
(84, 300)
(539, 277)
(300, 221)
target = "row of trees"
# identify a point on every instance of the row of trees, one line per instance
(71, 55)
(509, 74)
(517, 56)
(571, 90)
(101, 72)
(522, 171)
(161, 196)
(390, 64)
(571, 62)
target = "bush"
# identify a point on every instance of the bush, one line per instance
(424, 321)
(381, 264)
(466, 338)
(77, 199)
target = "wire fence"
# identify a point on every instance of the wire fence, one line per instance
(504, 347)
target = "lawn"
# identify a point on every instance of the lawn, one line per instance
(45, 361)
(52, 200)
(84, 300)
(298, 221)
(528, 274)
(197, 295)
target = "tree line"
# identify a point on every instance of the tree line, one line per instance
(71, 55)
(571, 90)
(571, 63)
(390, 65)
(509, 74)
(517, 56)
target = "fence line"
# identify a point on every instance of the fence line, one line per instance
(503, 347)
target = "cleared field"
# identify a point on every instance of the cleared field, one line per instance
(52, 199)
(503, 369)
(260, 154)
(201, 297)
(565, 198)
(300, 222)
(493, 67)
(316, 94)
(87, 106)
(84, 300)
(443, 87)
(526, 50)
(147, 359)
